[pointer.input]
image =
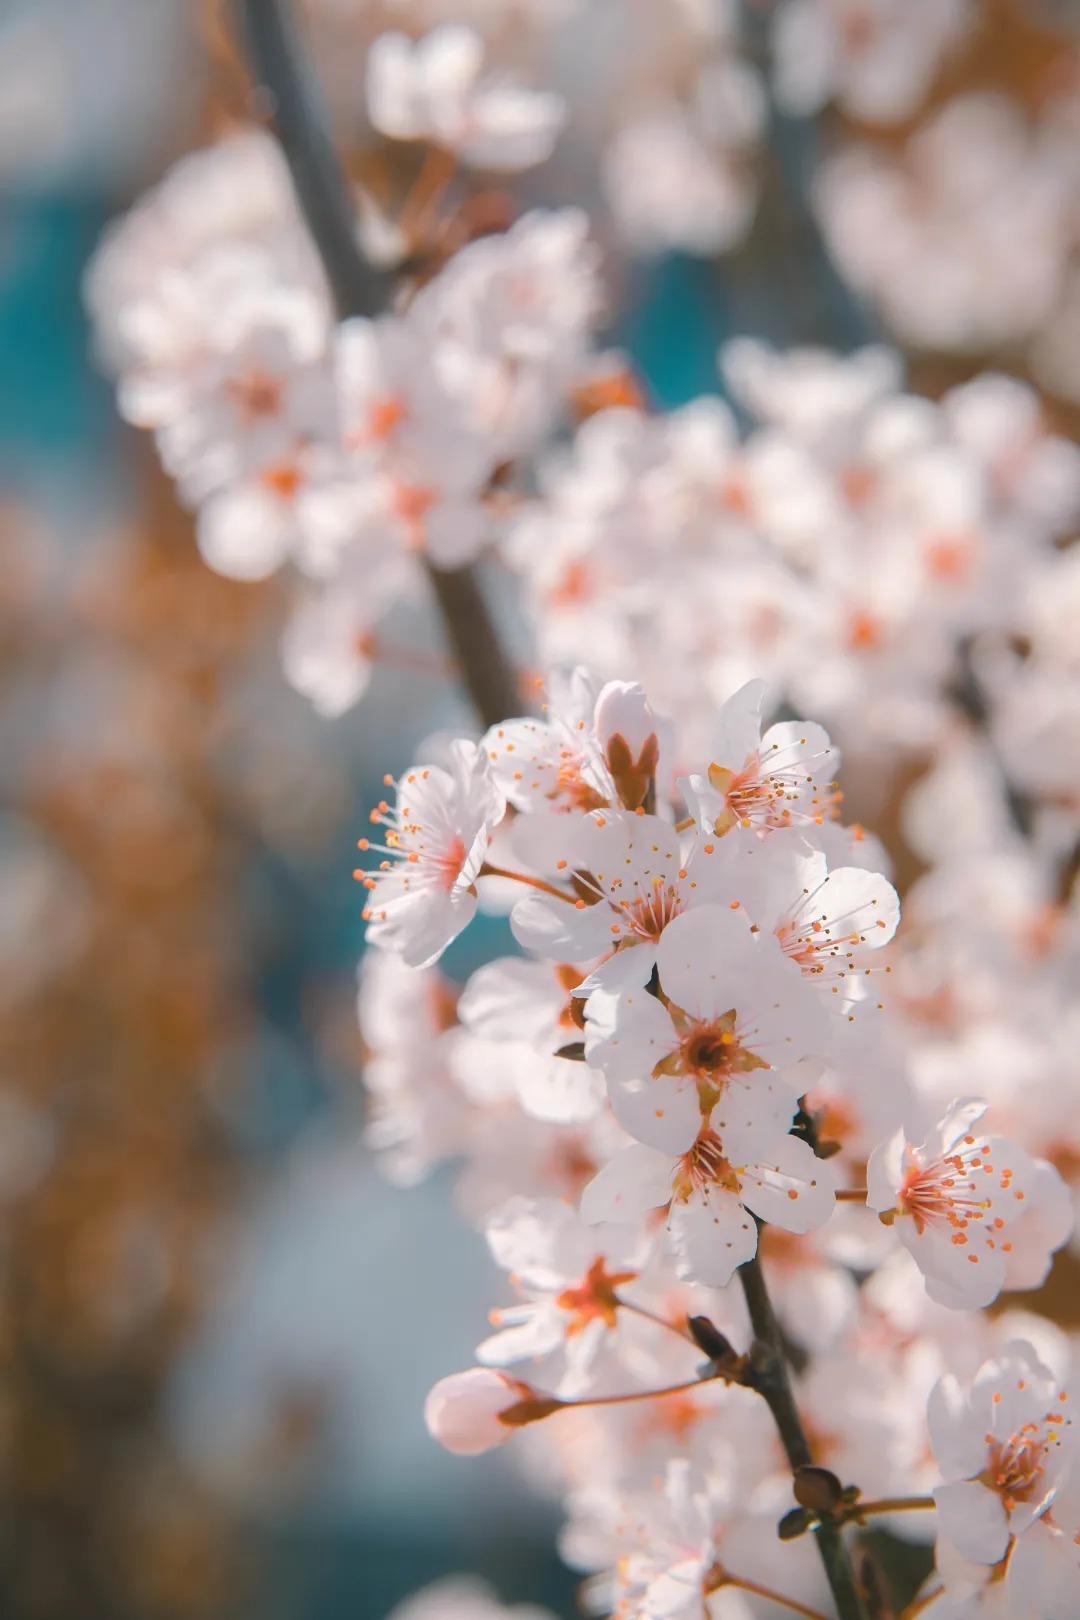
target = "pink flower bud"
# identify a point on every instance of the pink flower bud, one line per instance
(469, 1412)
(622, 709)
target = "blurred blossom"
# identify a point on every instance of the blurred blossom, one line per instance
(876, 59)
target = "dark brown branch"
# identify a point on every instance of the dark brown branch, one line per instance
(768, 1374)
(298, 119)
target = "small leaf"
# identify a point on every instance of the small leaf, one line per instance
(709, 1339)
(794, 1524)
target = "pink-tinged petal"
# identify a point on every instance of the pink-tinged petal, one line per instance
(462, 1411)
(623, 709)
(712, 1237)
(664, 1113)
(974, 1520)
(635, 1181)
(792, 1187)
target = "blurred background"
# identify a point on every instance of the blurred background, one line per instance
(217, 1321)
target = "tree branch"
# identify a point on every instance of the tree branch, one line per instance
(768, 1374)
(299, 121)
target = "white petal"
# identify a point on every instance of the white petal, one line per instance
(974, 1520)
(712, 1237)
(958, 1443)
(792, 1187)
(560, 931)
(627, 1035)
(885, 1173)
(664, 1113)
(737, 728)
(636, 1180)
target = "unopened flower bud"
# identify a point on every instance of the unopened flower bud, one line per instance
(628, 732)
(471, 1412)
(817, 1489)
(622, 709)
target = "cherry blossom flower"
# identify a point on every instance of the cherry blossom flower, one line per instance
(571, 1277)
(732, 1010)
(740, 1164)
(830, 922)
(424, 893)
(594, 748)
(777, 779)
(631, 877)
(1003, 1445)
(956, 1200)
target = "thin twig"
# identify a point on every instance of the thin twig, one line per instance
(768, 1374)
(654, 1316)
(298, 120)
(755, 1590)
(890, 1504)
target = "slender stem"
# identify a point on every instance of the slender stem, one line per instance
(755, 1590)
(637, 1395)
(435, 175)
(769, 1376)
(298, 120)
(851, 1195)
(654, 1316)
(486, 670)
(487, 870)
(892, 1504)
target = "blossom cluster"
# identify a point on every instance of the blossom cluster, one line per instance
(358, 451)
(715, 1055)
(697, 1057)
